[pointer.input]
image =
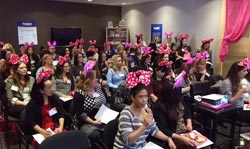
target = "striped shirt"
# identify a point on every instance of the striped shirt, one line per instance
(128, 123)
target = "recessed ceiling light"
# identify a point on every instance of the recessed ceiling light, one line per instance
(89, 0)
(124, 3)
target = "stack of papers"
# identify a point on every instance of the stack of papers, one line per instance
(105, 114)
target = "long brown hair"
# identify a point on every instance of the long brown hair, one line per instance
(84, 82)
(17, 78)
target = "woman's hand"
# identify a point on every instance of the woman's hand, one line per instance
(188, 141)
(148, 118)
(189, 126)
(46, 134)
(171, 143)
(97, 122)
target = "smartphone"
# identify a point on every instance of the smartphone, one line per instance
(3, 54)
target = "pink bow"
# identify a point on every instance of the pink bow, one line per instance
(163, 50)
(26, 44)
(63, 59)
(146, 51)
(141, 76)
(43, 74)
(190, 61)
(89, 66)
(72, 44)
(53, 44)
(107, 44)
(165, 63)
(207, 40)
(80, 41)
(92, 42)
(14, 59)
(128, 45)
(138, 35)
(95, 50)
(168, 34)
(1, 43)
(183, 36)
(179, 79)
(201, 56)
(186, 56)
(245, 62)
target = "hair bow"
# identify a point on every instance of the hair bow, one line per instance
(80, 41)
(43, 74)
(245, 62)
(53, 44)
(179, 79)
(95, 50)
(26, 44)
(92, 42)
(190, 61)
(138, 35)
(89, 66)
(165, 63)
(73, 44)
(107, 44)
(186, 56)
(183, 36)
(1, 43)
(207, 40)
(14, 59)
(128, 45)
(201, 56)
(168, 34)
(141, 76)
(63, 59)
(163, 50)
(146, 51)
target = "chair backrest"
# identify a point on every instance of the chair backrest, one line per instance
(200, 88)
(109, 133)
(74, 139)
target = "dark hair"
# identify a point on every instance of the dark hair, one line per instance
(172, 46)
(59, 71)
(159, 68)
(76, 62)
(138, 38)
(181, 45)
(143, 59)
(232, 75)
(171, 97)
(137, 89)
(202, 46)
(100, 58)
(248, 76)
(17, 77)
(21, 45)
(36, 95)
(42, 47)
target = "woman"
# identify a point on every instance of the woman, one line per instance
(232, 88)
(19, 85)
(87, 100)
(33, 59)
(77, 68)
(183, 51)
(145, 62)
(139, 40)
(173, 117)
(103, 65)
(169, 38)
(205, 47)
(63, 82)
(136, 122)
(45, 109)
(47, 64)
(108, 49)
(116, 73)
(200, 70)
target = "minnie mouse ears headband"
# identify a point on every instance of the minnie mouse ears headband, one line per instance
(43, 74)
(164, 49)
(179, 79)
(95, 50)
(183, 36)
(128, 45)
(14, 59)
(170, 34)
(52, 45)
(26, 44)
(73, 44)
(200, 56)
(80, 41)
(63, 59)
(1, 43)
(207, 40)
(146, 51)
(106, 44)
(92, 42)
(245, 62)
(138, 35)
(141, 76)
(165, 63)
(89, 66)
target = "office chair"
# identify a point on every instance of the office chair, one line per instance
(109, 133)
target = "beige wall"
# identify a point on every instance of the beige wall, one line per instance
(199, 18)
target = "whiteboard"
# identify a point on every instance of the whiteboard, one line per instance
(27, 32)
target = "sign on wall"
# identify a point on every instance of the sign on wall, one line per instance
(156, 31)
(27, 32)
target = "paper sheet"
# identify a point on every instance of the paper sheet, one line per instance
(65, 99)
(151, 145)
(246, 107)
(40, 138)
(105, 114)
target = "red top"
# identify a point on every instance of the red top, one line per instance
(47, 121)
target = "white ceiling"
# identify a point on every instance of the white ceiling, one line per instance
(109, 2)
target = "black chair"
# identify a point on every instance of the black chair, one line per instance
(71, 121)
(74, 139)
(200, 88)
(109, 133)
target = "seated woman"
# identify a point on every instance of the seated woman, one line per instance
(77, 68)
(116, 73)
(63, 82)
(136, 122)
(45, 109)
(47, 64)
(33, 58)
(200, 70)
(172, 116)
(232, 88)
(87, 100)
(145, 62)
(19, 85)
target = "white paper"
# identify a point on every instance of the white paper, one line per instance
(105, 114)
(204, 144)
(246, 136)
(55, 63)
(40, 138)
(65, 99)
(246, 107)
(151, 145)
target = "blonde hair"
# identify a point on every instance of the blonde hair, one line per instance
(84, 81)
(9, 47)
(45, 56)
(120, 49)
(196, 64)
(113, 63)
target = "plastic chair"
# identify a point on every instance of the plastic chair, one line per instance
(109, 133)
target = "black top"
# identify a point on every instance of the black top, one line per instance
(166, 125)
